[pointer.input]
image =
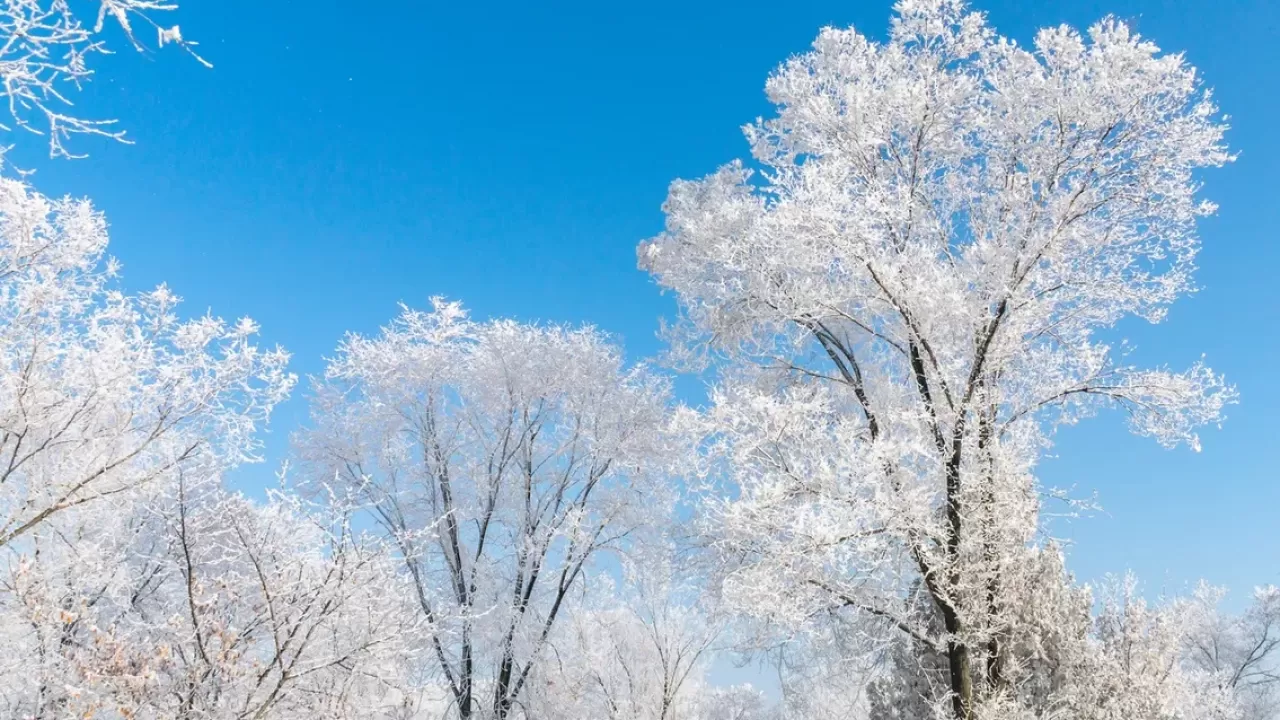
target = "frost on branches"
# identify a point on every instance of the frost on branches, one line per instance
(131, 585)
(202, 604)
(502, 460)
(45, 51)
(104, 394)
(1242, 651)
(904, 301)
(636, 652)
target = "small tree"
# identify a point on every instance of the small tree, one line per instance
(1242, 651)
(502, 460)
(638, 651)
(906, 302)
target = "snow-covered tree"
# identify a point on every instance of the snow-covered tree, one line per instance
(638, 651)
(737, 702)
(1243, 651)
(826, 671)
(907, 299)
(1063, 659)
(109, 404)
(203, 604)
(102, 393)
(1134, 665)
(502, 460)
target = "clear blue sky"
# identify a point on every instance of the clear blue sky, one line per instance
(338, 160)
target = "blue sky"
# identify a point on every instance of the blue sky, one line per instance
(339, 160)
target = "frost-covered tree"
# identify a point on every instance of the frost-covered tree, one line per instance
(638, 651)
(906, 300)
(101, 393)
(1134, 665)
(46, 49)
(1063, 659)
(737, 702)
(502, 460)
(825, 671)
(1243, 651)
(203, 604)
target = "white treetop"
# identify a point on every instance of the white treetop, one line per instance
(911, 285)
(1243, 650)
(103, 393)
(906, 298)
(502, 459)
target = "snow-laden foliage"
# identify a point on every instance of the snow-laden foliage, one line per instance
(904, 298)
(502, 460)
(635, 652)
(1068, 656)
(45, 54)
(1243, 650)
(735, 702)
(46, 49)
(131, 586)
(104, 393)
(201, 604)
(903, 295)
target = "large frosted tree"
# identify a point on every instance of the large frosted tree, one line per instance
(102, 394)
(904, 294)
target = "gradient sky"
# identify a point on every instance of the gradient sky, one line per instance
(339, 160)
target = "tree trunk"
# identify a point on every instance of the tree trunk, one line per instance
(961, 680)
